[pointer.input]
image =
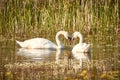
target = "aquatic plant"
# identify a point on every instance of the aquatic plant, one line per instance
(33, 18)
(63, 70)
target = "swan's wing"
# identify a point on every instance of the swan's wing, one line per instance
(86, 47)
(39, 43)
(76, 48)
(80, 55)
(83, 47)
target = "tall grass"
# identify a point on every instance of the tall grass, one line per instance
(33, 18)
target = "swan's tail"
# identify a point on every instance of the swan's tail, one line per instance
(20, 43)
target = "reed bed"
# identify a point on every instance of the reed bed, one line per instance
(33, 18)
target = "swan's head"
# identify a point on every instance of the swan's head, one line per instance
(75, 35)
(66, 35)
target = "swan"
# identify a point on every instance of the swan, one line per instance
(80, 47)
(45, 43)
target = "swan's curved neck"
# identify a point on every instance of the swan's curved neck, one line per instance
(59, 43)
(80, 38)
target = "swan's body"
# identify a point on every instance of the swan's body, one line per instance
(80, 47)
(44, 43)
(37, 43)
(81, 56)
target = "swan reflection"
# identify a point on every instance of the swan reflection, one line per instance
(82, 57)
(40, 53)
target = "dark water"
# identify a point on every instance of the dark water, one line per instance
(103, 62)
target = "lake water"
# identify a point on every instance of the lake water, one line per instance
(35, 64)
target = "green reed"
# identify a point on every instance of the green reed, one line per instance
(33, 18)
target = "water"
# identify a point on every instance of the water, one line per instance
(19, 63)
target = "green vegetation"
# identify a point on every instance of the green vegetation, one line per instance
(33, 18)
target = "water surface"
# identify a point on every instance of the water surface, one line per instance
(15, 63)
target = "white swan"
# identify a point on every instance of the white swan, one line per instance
(45, 43)
(80, 47)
